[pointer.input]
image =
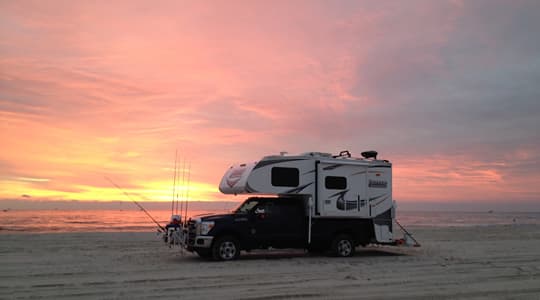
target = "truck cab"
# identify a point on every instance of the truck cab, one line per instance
(258, 223)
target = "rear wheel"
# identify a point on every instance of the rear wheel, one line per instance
(226, 248)
(343, 245)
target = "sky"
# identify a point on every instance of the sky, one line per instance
(448, 91)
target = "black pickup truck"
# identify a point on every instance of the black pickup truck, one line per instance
(282, 222)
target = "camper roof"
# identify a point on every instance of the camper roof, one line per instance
(322, 154)
(345, 154)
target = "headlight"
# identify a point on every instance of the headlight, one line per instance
(206, 226)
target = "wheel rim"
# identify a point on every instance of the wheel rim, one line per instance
(344, 248)
(227, 250)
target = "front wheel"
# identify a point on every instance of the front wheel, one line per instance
(226, 248)
(343, 246)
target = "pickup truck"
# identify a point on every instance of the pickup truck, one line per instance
(278, 222)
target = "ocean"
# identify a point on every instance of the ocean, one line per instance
(42, 221)
(50, 221)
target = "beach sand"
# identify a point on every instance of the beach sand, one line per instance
(495, 262)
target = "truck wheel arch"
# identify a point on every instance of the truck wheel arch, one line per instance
(349, 232)
(233, 233)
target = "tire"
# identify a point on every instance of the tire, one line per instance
(226, 248)
(343, 246)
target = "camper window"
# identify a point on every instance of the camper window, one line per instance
(335, 182)
(285, 177)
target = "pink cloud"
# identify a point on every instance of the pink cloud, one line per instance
(83, 84)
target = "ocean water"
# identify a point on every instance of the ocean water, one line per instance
(20, 221)
(49, 221)
(457, 219)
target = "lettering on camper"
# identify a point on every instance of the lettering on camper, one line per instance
(378, 184)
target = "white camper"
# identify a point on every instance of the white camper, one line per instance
(337, 186)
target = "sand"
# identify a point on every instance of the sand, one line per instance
(496, 262)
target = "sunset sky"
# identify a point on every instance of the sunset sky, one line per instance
(449, 91)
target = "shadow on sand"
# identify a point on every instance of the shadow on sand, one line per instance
(294, 253)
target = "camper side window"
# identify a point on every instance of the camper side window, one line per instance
(335, 182)
(285, 177)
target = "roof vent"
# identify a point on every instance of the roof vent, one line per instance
(369, 154)
(344, 153)
(322, 154)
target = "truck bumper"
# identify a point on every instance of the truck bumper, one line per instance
(202, 241)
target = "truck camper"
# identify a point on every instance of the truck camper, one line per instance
(317, 201)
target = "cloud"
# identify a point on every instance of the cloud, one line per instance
(85, 86)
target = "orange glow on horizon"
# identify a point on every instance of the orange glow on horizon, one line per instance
(150, 191)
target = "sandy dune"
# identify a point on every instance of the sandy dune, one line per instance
(497, 262)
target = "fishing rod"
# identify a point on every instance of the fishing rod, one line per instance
(136, 203)
(183, 192)
(188, 186)
(174, 182)
(177, 183)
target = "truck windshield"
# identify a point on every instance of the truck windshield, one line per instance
(245, 207)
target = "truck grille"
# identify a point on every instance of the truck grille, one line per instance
(191, 232)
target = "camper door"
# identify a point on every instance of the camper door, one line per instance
(342, 190)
